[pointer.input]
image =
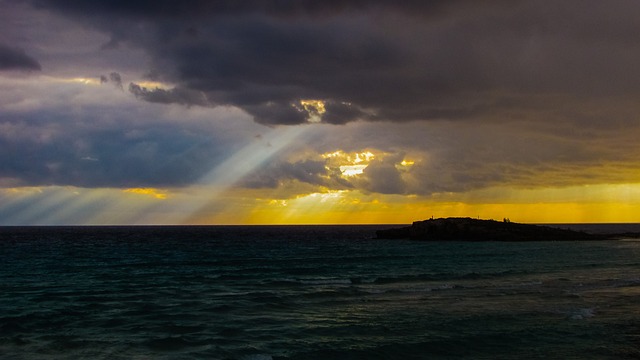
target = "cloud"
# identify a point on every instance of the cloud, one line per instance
(196, 8)
(273, 175)
(115, 78)
(379, 60)
(100, 157)
(476, 94)
(457, 157)
(13, 58)
(172, 96)
(318, 173)
(383, 177)
(108, 139)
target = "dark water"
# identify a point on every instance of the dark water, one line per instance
(311, 293)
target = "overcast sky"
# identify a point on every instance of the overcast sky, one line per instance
(318, 111)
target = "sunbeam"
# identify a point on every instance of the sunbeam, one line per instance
(236, 167)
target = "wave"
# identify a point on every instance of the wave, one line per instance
(411, 289)
(326, 281)
(324, 299)
(578, 313)
(447, 276)
(171, 343)
(283, 282)
(257, 357)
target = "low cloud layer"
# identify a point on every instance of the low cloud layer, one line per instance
(61, 132)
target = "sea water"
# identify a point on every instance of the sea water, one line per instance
(311, 292)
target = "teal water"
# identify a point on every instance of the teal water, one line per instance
(311, 292)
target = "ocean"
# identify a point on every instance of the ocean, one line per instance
(312, 292)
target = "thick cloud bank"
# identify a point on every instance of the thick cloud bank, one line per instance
(447, 96)
(379, 60)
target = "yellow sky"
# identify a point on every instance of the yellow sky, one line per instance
(54, 205)
(357, 208)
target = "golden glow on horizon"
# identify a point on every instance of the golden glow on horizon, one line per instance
(339, 210)
(70, 205)
(158, 194)
(354, 207)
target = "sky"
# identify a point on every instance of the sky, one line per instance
(318, 112)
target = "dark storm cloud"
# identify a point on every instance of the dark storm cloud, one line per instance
(13, 58)
(175, 95)
(197, 8)
(379, 60)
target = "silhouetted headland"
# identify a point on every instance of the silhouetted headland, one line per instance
(469, 229)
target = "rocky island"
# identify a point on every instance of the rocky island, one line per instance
(468, 229)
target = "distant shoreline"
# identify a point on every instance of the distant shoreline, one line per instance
(469, 229)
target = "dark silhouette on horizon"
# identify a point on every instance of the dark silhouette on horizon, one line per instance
(469, 229)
